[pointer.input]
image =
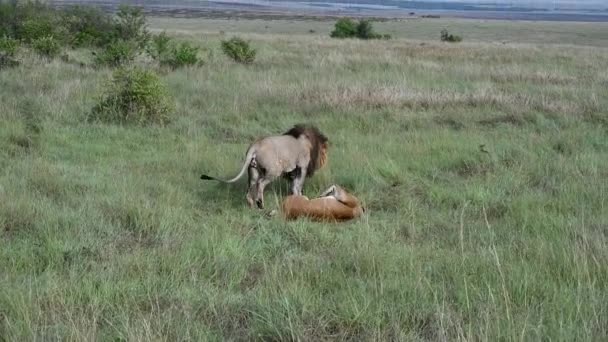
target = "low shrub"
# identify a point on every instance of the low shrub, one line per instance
(159, 46)
(87, 26)
(117, 53)
(7, 14)
(8, 46)
(47, 46)
(182, 55)
(130, 25)
(134, 96)
(75, 25)
(365, 30)
(344, 28)
(447, 37)
(167, 53)
(239, 50)
(28, 20)
(8, 50)
(348, 28)
(36, 28)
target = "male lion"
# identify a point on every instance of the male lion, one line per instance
(335, 204)
(296, 154)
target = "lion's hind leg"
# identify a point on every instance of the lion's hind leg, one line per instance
(254, 176)
(262, 182)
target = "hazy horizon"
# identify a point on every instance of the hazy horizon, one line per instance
(556, 10)
(533, 4)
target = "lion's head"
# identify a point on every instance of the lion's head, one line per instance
(318, 141)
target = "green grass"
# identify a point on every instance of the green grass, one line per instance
(493, 31)
(107, 233)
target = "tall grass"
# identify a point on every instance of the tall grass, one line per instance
(483, 168)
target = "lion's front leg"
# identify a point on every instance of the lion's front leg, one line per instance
(298, 181)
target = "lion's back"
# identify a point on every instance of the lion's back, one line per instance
(279, 153)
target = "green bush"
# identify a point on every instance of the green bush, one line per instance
(348, 28)
(447, 37)
(47, 46)
(365, 30)
(27, 20)
(134, 96)
(87, 26)
(8, 12)
(8, 46)
(182, 55)
(36, 28)
(159, 46)
(239, 50)
(344, 28)
(117, 53)
(162, 49)
(78, 26)
(130, 25)
(8, 49)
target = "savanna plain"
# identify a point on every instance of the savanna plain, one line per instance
(483, 166)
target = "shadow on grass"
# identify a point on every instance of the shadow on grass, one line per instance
(233, 195)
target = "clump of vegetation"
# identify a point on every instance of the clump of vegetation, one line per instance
(448, 37)
(8, 49)
(159, 46)
(365, 30)
(87, 26)
(182, 55)
(127, 39)
(47, 46)
(130, 25)
(29, 20)
(163, 50)
(6, 16)
(8, 46)
(348, 28)
(120, 38)
(134, 96)
(239, 50)
(344, 28)
(117, 53)
(40, 26)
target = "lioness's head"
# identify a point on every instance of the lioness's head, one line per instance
(319, 145)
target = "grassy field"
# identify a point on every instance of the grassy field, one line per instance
(488, 31)
(107, 233)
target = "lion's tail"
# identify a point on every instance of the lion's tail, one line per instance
(249, 157)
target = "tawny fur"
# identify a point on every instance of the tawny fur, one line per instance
(296, 154)
(334, 205)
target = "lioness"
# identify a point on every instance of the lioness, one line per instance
(335, 204)
(296, 154)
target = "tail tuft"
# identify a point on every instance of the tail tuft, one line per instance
(205, 177)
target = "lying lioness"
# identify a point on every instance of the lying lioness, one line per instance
(335, 204)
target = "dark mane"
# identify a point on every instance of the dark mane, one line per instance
(317, 140)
